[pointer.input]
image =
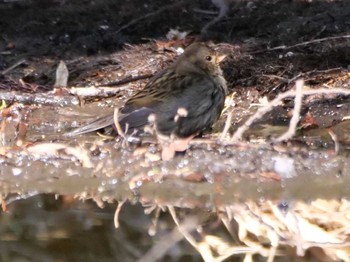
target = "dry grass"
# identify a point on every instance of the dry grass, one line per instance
(315, 230)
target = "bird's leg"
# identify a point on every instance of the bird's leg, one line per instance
(174, 144)
(168, 151)
(166, 142)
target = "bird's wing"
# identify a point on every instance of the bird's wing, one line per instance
(194, 93)
(128, 122)
(170, 90)
(154, 93)
(200, 98)
(135, 119)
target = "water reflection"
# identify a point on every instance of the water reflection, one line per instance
(46, 227)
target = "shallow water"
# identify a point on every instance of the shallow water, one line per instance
(43, 183)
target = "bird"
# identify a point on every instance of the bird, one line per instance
(180, 102)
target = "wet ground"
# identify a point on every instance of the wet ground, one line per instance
(251, 199)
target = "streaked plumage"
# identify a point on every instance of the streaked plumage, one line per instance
(194, 84)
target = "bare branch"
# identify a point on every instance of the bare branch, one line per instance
(42, 99)
(100, 91)
(116, 213)
(169, 240)
(320, 40)
(299, 85)
(291, 93)
(117, 124)
(227, 126)
(148, 15)
(128, 79)
(335, 140)
(18, 63)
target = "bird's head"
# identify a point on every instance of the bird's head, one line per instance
(199, 58)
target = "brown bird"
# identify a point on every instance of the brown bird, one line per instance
(181, 101)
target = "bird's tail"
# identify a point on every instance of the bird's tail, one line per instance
(134, 120)
(99, 123)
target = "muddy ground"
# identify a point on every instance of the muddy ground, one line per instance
(252, 199)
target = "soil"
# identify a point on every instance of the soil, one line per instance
(117, 46)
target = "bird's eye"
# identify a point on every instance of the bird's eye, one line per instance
(208, 58)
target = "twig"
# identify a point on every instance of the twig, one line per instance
(152, 230)
(18, 63)
(320, 40)
(227, 126)
(127, 80)
(2, 133)
(335, 140)
(223, 9)
(299, 85)
(300, 75)
(42, 99)
(205, 12)
(291, 93)
(286, 81)
(117, 124)
(137, 20)
(100, 91)
(169, 240)
(183, 231)
(120, 131)
(275, 76)
(39, 150)
(272, 253)
(116, 213)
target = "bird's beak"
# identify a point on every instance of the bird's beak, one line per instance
(219, 58)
